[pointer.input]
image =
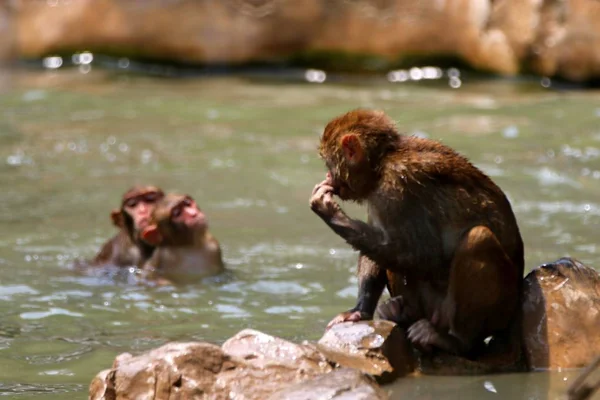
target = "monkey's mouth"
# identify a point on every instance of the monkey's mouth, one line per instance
(198, 221)
(341, 190)
(142, 222)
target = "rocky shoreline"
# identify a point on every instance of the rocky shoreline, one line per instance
(356, 360)
(551, 38)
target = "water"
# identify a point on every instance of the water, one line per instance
(71, 143)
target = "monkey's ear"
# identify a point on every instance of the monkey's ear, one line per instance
(352, 148)
(151, 235)
(117, 218)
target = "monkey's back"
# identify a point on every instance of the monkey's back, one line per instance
(119, 251)
(449, 195)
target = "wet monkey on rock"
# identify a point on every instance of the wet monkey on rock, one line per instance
(185, 249)
(127, 248)
(440, 235)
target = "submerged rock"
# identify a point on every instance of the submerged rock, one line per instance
(561, 321)
(341, 384)
(550, 38)
(378, 348)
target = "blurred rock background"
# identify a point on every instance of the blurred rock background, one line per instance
(553, 38)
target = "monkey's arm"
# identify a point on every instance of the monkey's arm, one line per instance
(367, 239)
(398, 255)
(110, 251)
(371, 282)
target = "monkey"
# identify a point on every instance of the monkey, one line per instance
(440, 235)
(185, 249)
(127, 248)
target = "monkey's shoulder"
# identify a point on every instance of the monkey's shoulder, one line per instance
(118, 250)
(420, 160)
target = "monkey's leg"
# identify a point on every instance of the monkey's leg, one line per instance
(403, 307)
(371, 282)
(482, 298)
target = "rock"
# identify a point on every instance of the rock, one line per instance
(551, 38)
(100, 389)
(251, 365)
(341, 384)
(567, 40)
(561, 315)
(272, 364)
(191, 31)
(262, 351)
(378, 348)
(187, 370)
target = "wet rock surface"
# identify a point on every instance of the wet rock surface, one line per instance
(561, 325)
(250, 365)
(550, 38)
(561, 322)
(175, 370)
(261, 350)
(344, 383)
(378, 348)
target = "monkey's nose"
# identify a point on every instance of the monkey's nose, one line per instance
(192, 212)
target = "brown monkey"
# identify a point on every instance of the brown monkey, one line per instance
(184, 247)
(440, 234)
(127, 248)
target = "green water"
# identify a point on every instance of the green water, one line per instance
(71, 143)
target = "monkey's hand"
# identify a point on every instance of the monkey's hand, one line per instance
(349, 316)
(322, 202)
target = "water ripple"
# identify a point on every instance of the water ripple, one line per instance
(51, 312)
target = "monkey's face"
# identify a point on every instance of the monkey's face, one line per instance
(340, 187)
(139, 207)
(186, 213)
(175, 221)
(350, 145)
(346, 177)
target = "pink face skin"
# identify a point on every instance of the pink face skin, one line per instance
(140, 208)
(187, 213)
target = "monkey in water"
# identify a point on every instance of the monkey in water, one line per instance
(185, 249)
(439, 234)
(127, 248)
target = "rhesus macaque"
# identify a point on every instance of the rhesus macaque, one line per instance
(127, 248)
(184, 247)
(440, 235)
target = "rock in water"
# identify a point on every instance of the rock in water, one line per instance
(341, 384)
(561, 315)
(378, 348)
(262, 350)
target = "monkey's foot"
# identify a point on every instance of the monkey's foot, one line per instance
(348, 316)
(391, 310)
(423, 335)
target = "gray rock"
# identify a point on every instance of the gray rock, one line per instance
(378, 348)
(341, 384)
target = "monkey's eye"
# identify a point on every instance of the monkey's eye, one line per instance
(187, 203)
(176, 212)
(131, 202)
(151, 197)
